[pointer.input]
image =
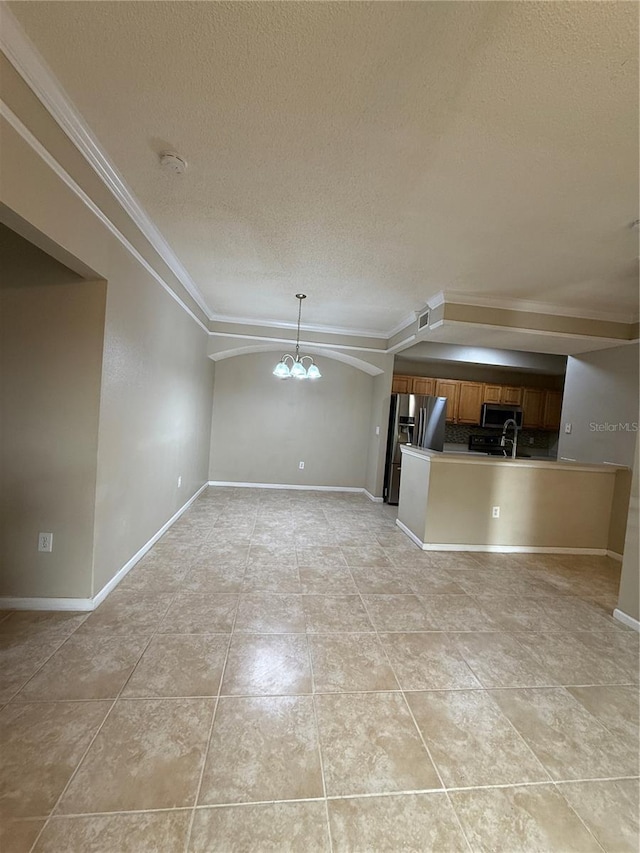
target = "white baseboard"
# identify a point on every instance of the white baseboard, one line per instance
(411, 535)
(84, 604)
(500, 549)
(287, 486)
(627, 620)
(614, 556)
(372, 497)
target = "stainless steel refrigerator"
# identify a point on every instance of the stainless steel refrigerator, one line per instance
(413, 419)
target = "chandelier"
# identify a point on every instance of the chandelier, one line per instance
(296, 368)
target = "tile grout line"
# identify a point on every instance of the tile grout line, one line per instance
(417, 728)
(98, 730)
(315, 717)
(210, 734)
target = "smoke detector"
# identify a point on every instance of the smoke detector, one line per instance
(172, 162)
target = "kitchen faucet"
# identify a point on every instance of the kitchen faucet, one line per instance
(514, 441)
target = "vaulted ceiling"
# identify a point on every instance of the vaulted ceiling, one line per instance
(369, 154)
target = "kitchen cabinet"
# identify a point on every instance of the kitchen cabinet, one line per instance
(552, 410)
(402, 385)
(423, 385)
(511, 396)
(491, 393)
(449, 388)
(470, 398)
(532, 408)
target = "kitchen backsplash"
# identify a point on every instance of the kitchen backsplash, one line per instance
(542, 439)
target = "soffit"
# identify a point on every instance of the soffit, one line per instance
(369, 154)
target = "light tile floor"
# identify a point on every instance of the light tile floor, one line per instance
(287, 672)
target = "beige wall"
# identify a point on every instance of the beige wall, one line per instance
(155, 406)
(262, 427)
(600, 387)
(51, 332)
(629, 596)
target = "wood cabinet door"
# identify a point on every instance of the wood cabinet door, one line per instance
(402, 385)
(470, 395)
(511, 395)
(552, 409)
(491, 393)
(449, 388)
(423, 385)
(532, 408)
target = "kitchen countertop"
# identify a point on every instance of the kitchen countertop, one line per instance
(472, 458)
(527, 452)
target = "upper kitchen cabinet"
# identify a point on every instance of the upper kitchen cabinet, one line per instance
(402, 385)
(470, 399)
(424, 385)
(449, 388)
(491, 393)
(552, 410)
(532, 407)
(511, 395)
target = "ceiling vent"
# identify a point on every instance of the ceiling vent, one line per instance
(423, 319)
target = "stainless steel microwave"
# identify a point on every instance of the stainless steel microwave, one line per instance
(494, 415)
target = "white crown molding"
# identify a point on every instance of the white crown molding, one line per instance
(305, 327)
(303, 343)
(25, 58)
(474, 300)
(66, 178)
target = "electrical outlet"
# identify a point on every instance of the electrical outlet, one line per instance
(45, 542)
(301, 465)
(567, 428)
(179, 480)
(377, 430)
(495, 512)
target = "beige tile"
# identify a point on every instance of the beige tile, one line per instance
(272, 555)
(86, 667)
(127, 613)
(370, 745)
(180, 665)
(327, 579)
(281, 827)
(17, 836)
(577, 615)
(207, 579)
(380, 580)
(566, 738)
(471, 741)
(200, 614)
(41, 624)
(453, 560)
(610, 811)
(145, 832)
(430, 580)
(225, 550)
(411, 823)
(320, 556)
(148, 755)
(521, 820)
(349, 662)
(501, 660)
(262, 748)
(619, 648)
(520, 613)
(427, 661)
(151, 577)
(571, 661)
(42, 744)
(456, 613)
(335, 613)
(617, 708)
(397, 612)
(269, 613)
(21, 656)
(272, 578)
(260, 664)
(365, 555)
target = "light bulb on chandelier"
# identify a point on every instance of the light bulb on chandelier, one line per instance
(297, 369)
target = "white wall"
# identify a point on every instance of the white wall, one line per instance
(601, 388)
(262, 427)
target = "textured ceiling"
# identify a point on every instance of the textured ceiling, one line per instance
(369, 154)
